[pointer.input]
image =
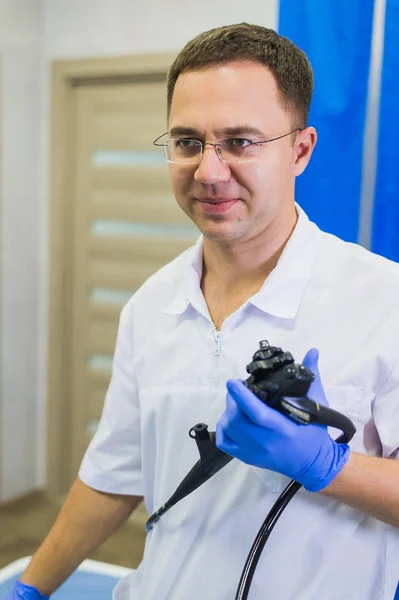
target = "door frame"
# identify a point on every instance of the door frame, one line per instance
(67, 75)
(1, 266)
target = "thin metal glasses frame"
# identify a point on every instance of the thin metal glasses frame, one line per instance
(216, 145)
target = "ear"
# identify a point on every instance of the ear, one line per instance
(304, 143)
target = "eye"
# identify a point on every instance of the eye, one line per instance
(237, 143)
(186, 143)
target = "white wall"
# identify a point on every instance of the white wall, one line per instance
(105, 27)
(19, 233)
(32, 34)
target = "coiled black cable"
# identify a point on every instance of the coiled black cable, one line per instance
(266, 529)
(262, 537)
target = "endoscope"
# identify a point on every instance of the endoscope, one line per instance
(282, 384)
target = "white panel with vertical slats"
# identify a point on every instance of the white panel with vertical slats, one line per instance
(127, 225)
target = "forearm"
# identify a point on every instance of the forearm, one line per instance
(86, 520)
(369, 484)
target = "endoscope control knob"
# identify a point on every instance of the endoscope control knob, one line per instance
(274, 374)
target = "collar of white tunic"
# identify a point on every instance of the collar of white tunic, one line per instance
(283, 290)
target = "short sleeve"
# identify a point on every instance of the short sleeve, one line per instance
(112, 462)
(386, 413)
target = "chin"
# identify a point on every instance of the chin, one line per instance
(220, 233)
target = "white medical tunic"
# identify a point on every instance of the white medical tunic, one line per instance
(169, 373)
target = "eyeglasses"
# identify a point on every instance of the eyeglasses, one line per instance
(229, 150)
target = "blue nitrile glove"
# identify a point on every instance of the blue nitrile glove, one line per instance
(262, 436)
(22, 591)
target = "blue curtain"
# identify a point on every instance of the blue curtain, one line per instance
(385, 231)
(336, 36)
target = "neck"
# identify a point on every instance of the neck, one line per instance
(248, 262)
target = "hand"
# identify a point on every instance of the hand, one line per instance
(262, 436)
(22, 591)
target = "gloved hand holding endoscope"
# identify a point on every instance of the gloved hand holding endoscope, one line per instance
(259, 435)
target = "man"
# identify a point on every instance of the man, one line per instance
(238, 138)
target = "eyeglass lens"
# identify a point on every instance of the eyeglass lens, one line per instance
(229, 150)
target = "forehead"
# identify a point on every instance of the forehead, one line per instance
(242, 91)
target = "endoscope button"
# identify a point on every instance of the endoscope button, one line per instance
(271, 387)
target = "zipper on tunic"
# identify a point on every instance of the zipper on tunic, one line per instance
(216, 354)
(217, 344)
(216, 348)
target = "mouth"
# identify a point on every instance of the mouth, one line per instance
(216, 200)
(216, 205)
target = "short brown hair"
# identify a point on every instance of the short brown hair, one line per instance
(288, 63)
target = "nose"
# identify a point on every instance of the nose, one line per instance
(211, 168)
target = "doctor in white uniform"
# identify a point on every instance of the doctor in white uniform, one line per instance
(237, 139)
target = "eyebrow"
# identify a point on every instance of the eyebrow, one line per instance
(227, 131)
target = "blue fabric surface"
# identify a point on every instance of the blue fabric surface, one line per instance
(80, 586)
(336, 36)
(385, 234)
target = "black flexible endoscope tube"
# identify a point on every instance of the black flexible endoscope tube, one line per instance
(266, 529)
(262, 537)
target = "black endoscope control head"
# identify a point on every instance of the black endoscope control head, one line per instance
(282, 384)
(274, 377)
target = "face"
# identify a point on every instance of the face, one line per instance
(241, 201)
